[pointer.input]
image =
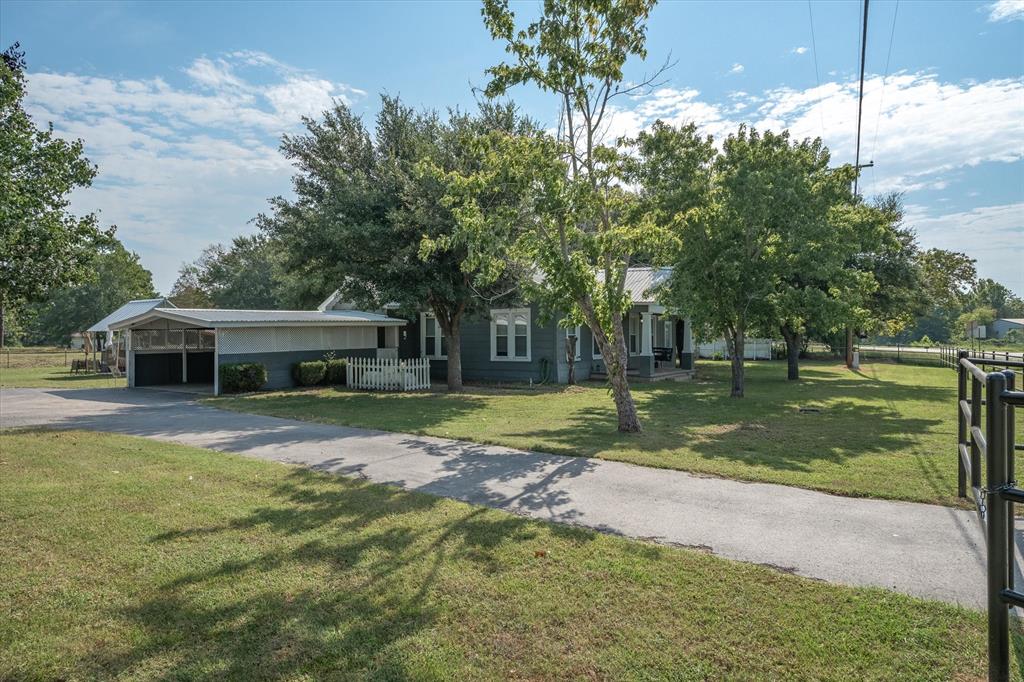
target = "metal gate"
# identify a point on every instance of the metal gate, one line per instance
(992, 394)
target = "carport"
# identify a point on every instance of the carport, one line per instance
(182, 349)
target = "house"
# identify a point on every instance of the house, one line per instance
(169, 346)
(1003, 326)
(511, 344)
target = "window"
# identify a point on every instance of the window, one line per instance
(596, 349)
(432, 341)
(634, 333)
(510, 334)
(569, 332)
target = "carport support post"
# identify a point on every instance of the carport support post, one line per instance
(216, 362)
(184, 360)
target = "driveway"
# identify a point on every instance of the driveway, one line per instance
(923, 550)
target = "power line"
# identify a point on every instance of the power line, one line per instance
(881, 95)
(817, 76)
(860, 99)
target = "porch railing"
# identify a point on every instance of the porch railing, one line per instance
(388, 374)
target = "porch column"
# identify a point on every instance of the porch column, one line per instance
(129, 352)
(686, 357)
(645, 334)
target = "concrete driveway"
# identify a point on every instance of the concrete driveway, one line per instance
(923, 550)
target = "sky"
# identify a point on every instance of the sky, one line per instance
(182, 105)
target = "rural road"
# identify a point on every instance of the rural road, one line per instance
(923, 550)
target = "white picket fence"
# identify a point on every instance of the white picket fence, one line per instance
(753, 349)
(388, 374)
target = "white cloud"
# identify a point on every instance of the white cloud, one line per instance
(183, 166)
(736, 68)
(799, 50)
(926, 129)
(1006, 10)
(994, 235)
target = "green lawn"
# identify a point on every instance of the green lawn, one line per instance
(132, 559)
(54, 377)
(887, 431)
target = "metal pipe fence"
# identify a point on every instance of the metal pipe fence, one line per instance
(986, 431)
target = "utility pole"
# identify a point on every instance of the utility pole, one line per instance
(857, 164)
(860, 99)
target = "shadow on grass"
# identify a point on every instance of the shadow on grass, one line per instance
(857, 415)
(406, 412)
(377, 556)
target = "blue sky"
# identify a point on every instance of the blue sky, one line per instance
(182, 105)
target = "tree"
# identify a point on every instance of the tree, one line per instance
(43, 246)
(988, 293)
(982, 316)
(891, 256)
(114, 277)
(366, 206)
(770, 246)
(580, 228)
(246, 275)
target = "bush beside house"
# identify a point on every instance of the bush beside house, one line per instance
(309, 373)
(242, 377)
(336, 371)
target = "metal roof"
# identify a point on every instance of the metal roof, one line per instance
(642, 283)
(1014, 320)
(211, 317)
(128, 310)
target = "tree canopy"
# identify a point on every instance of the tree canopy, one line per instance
(114, 277)
(368, 217)
(43, 245)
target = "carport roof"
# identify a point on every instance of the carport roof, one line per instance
(129, 310)
(210, 317)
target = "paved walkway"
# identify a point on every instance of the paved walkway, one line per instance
(919, 549)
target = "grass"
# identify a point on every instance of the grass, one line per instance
(887, 431)
(54, 377)
(133, 559)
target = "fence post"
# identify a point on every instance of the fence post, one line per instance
(995, 465)
(961, 427)
(1011, 474)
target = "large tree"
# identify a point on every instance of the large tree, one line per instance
(768, 249)
(579, 228)
(43, 246)
(247, 274)
(114, 277)
(365, 206)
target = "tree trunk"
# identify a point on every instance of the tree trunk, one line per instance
(454, 339)
(451, 327)
(570, 358)
(616, 361)
(849, 347)
(734, 339)
(793, 339)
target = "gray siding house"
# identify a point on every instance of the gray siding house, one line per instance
(509, 343)
(1003, 326)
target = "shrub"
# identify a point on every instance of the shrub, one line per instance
(242, 377)
(309, 373)
(336, 371)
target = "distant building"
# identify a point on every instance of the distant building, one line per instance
(1005, 325)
